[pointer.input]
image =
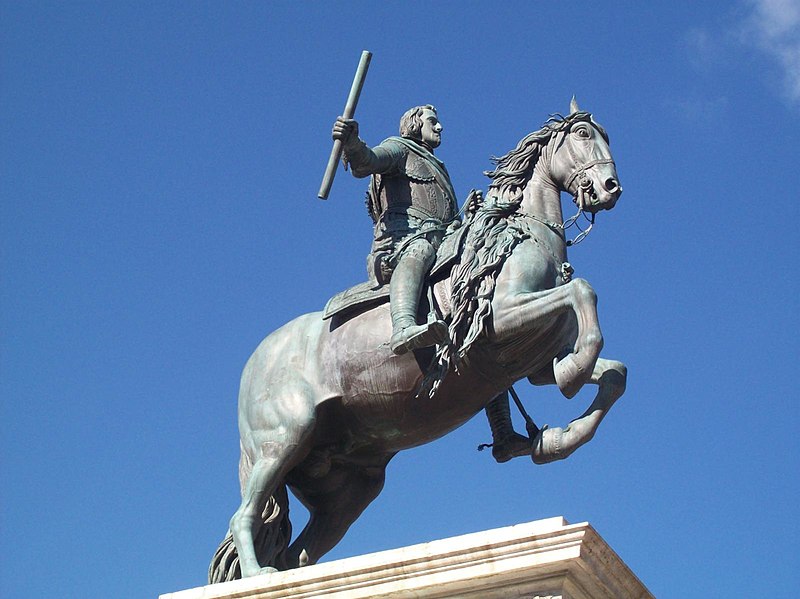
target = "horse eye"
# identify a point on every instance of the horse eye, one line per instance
(582, 132)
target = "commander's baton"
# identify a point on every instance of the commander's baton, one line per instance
(349, 111)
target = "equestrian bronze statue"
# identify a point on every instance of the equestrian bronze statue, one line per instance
(329, 398)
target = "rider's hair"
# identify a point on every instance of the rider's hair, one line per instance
(411, 122)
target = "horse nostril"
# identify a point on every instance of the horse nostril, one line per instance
(611, 184)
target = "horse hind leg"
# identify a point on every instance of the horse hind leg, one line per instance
(555, 443)
(270, 541)
(334, 502)
(279, 443)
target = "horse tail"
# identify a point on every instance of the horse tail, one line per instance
(271, 539)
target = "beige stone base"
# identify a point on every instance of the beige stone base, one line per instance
(546, 559)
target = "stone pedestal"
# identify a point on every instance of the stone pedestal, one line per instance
(546, 559)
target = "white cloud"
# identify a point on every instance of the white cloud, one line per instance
(699, 109)
(773, 26)
(701, 48)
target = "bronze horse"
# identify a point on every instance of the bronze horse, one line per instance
(324, 405)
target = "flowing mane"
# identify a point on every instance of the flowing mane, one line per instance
(515, 168)
(490, 239)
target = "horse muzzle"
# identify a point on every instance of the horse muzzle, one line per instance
(607, 198)
(593, 196)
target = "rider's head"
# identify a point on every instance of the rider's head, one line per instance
(422, 124)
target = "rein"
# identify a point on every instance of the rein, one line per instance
(562, 227)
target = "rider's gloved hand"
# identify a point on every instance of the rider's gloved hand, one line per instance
(345, 130)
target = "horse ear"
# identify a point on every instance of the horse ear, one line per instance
(573, 106)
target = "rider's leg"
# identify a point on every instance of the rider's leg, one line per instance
(404, 293)
(506, 442)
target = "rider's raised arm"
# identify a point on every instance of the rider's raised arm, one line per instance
(381, 159)
(363, 160)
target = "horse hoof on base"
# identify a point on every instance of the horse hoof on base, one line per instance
(266, 570)
(547, 445)
(569, 376)
(249, 572)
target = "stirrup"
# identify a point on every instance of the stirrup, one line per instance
(418, 336)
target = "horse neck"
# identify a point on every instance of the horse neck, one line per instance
(541, 199)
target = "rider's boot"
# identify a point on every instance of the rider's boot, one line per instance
(506, 442)
(404, 292)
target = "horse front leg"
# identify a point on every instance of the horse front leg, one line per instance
(534, 310)
(553, 444)
(575, 369)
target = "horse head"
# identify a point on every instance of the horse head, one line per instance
(581, 162)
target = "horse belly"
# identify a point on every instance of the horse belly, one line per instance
(379, 389)
(372, 381)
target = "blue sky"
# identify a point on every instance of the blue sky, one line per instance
(159, 166)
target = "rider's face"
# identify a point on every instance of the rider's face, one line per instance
(431, 129)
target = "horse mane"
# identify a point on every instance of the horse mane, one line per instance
(516, 167)
(490, 238)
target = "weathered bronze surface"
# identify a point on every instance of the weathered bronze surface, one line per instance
(325, 403)
(412, 203)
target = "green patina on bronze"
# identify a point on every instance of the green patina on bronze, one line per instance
(325, 403)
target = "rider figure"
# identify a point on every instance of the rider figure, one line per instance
(412, 202)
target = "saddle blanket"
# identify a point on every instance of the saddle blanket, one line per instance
(368, 293)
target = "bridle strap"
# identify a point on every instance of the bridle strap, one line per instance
(580, 170)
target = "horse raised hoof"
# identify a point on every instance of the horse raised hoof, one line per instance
(558, 443)
(548, 445)
(570, 377)
(418, 336)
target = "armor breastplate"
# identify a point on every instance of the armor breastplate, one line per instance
(415, 190)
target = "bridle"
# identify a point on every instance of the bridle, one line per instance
(562, 227)
(583, 189)
(579, 170)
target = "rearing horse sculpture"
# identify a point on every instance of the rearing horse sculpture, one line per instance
(324, 405)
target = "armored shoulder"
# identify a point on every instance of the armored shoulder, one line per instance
(384, 158)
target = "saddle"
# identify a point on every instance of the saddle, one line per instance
(371, 294)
